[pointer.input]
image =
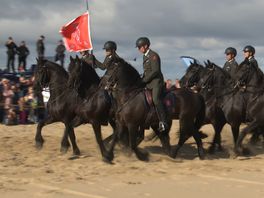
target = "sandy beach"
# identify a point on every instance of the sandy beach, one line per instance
(26, 172)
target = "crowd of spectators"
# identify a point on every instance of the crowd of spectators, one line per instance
(18, 103)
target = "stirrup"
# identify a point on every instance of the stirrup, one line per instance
(162, 126)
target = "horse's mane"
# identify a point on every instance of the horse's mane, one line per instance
(257, 70)
(57, 68)
(45, 70)
(194, 64)
(224, 72)
(126, 74)
(227, 80)
(82, 76)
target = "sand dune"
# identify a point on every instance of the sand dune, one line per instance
(27, 172)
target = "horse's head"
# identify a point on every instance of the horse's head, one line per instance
(42, 76)
(75, 68)
(248, 75)
(213, 77)
(49, 74)
(192, 75)
(81, 75)
(122, 75)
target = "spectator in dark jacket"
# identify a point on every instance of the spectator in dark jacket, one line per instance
(11, 52)
(41, 47)
(22, 52)
(60, 53)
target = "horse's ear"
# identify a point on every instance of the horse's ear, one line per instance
(206, 64)
(71, 59)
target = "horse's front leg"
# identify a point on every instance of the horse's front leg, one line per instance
(38, 137)
(65, 144)
(140, 153)
(107, 156)
(70, 131)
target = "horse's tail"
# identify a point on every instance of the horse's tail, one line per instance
(200, 116)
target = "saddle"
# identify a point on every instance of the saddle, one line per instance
(168, 99)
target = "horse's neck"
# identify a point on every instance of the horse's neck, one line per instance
(124, 94)
(57, 87)
(256, 80)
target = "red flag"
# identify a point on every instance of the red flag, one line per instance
(76, 34)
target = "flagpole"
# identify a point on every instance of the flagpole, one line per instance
(87, 8)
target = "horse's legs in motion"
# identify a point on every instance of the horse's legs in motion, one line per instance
(199, 143)
(65, 144)
(70, 131)
(255, 138)
(38, 137)
(244, 132)
(218, 126)
(164, 138)
(107, 156)
(235, 132)
(184, 136)
(141, 154)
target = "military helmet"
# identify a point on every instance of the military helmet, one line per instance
(249, 48)
(231, 50)
(110, 45)
(142, 41)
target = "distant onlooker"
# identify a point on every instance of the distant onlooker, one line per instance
(177, 83)
(41, 47)
(31, 102)
(11, 117)
(60, 53)
(11, 52)
(22, 111)
(8, 96)
(168, 84)
(22, 52)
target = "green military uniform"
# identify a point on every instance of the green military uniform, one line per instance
(106, 63)
(154, 80)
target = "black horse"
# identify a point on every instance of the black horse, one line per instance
(214, 115)
(67, 105)
(230, 97)
(134, 113)
(251, 80)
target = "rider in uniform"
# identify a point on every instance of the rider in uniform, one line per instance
(153, 78)
(110, 48)
(231, 65)
(249, 53)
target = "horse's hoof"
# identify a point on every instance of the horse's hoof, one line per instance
(108, 158)
(39, 145)
(77, 152)
(246, 152)
(142, 155)
(238, 151)
(107, 161)
(201, 154)
(74, 157)
(211, 150)
(64, 150)
(220, 149)
(173, 153)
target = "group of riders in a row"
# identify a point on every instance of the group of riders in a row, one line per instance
(153, 77)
